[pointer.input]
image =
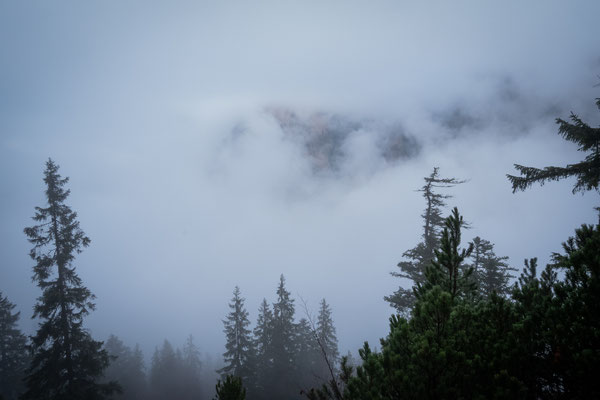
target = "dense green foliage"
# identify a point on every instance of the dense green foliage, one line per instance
(13, 351)
(230, 389)
(541, 343)
(66, 360)
(587, 171)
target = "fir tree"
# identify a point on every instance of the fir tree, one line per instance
(263, 345)
(490, 272)
(326, 334)
(283, 345)
(239, 342)
(587, 171)
(66, 360)
(191, 369)
(417, 258)
(308, 356)
(127, 368)
(13, 351)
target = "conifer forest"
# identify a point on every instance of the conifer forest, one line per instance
(285, 201)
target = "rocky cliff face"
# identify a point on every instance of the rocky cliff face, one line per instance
(325, 137)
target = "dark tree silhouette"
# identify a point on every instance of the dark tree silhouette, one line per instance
(13, 351)
(66, 360)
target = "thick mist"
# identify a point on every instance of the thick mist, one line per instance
(215, 145)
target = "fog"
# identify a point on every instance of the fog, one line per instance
(211, 145)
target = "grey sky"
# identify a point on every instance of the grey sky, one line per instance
(187, 185)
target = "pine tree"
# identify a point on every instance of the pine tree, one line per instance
(230, 389)
(490, 272)
(419, 257)
(13, 351)
(239, 342)
(587, 171)
(66, 360)
(447, 269)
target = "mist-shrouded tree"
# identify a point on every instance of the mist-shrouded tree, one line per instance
(127, 368)
(283, 345)
(231, 388)
(327, 337)
(239, 349)
(165, 373)
(417, 258)
(586, 172)
(14, 357)
(263, 347)
(308, 356)
(490, 272)
(66, 361)
(191, 369)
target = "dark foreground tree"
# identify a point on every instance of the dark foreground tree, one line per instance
(419, 257)
(13, 352)
(66, 361)
(587, 171)
(230, 389)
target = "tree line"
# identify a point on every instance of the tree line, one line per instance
(460, 331)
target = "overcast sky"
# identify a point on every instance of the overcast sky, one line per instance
(188, 183)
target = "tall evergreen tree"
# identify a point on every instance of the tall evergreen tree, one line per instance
(417, 258)
(308, 356)
(13, 351)
(283, 345)
(191, 369)
(326, 333)
(490, 272)
(66, 360)
(263, 346)
(238, 347)
(587, 171)
(165, 373)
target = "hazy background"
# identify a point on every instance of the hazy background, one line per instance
(214, 144)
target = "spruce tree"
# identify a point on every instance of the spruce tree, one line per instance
(283, 344)
(191, 367)
(13, 351)
(490, 272)
(66, 362)
(586, 172)
(239, 342)
(263, 346)
(326, 334)
(127, 368)
(417, 258)
(308, 356)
